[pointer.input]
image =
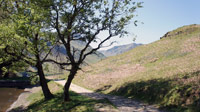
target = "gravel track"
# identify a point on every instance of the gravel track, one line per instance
(122, 104)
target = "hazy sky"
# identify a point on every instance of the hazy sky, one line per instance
(161, 16)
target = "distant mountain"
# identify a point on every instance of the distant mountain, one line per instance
(119, 49)
(78, 45)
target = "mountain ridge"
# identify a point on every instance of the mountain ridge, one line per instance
(119, 49)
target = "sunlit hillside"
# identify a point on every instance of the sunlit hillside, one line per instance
(165, 72)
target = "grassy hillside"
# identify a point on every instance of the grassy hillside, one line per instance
(166, 72)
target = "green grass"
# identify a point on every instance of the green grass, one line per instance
(165, 72)
(78, 103)
(169, 93)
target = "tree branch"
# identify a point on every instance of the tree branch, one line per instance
(99, 46)
(59, 63)
(47, 54)
(88, 43)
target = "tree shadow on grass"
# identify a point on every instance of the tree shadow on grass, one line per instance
(171, 93)
(77, 104)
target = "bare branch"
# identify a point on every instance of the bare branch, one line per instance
(98, 47)
(47, 54)
(88, 44)
(59, 63)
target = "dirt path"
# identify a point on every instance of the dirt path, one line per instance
(123, 104)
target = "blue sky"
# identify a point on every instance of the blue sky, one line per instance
(161, 16)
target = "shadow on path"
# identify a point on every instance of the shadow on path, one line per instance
(123, 104)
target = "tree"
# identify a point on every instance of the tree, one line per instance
(10, 64)
(84, 20)
(7, 62)
(29, 35)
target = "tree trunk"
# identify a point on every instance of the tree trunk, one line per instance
(73, 72)
(43, 82)
(6, 75)
(1, 72)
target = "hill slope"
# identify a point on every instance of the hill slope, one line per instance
(166, 72)
(119, 49)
